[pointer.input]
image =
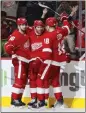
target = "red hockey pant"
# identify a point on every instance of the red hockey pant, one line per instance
(52, 78)
(36, 84)
(21, 77)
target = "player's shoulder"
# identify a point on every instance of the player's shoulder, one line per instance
(58, 28)
(29, 29)
(50, 33)
(15, 33)
(32, 35)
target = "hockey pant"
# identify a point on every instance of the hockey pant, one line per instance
(21, 77)
(33, 77)
(52, 78)
(36, 83)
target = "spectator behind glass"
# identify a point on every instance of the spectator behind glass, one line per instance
(32, 11)
(7, 25)
(4, 31)
(82, 34)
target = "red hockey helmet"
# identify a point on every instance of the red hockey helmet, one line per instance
(38, 23)
(21, 21)
(63, 16)
(51, 21)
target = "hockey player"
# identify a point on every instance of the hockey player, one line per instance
(18, 46)
(41, 46)
(59, 58)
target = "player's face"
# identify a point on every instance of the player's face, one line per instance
(22, 27)
(39, 30)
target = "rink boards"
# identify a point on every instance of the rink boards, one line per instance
(72, 82)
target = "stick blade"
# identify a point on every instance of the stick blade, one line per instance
(43, 5)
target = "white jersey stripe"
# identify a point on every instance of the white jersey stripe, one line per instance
(58, 63)
(55, 63)
(33, 90)
(17, 90)
(40, 90)
(46, 90)
(47, 50)
(45, 70)
(20, 58)
(19, 69)
(57, 89)
(67, 29)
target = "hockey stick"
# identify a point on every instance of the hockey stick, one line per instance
(48, 8)
(42, 5)
(77, 27)
(82, 57)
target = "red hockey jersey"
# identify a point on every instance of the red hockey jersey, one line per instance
(18, 45)
(59, 54)
(29, 29)
(41, 46)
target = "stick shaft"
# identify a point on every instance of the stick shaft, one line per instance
(60, 16)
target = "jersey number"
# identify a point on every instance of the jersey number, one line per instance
(46, 40)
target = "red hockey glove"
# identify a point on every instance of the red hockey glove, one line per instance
(9, 48)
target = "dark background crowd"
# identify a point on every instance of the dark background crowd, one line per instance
(32, 11)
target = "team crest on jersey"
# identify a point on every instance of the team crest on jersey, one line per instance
(36, 46)
(26, 45)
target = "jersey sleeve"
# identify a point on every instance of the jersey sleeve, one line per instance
(65, 28)
(10, 45)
